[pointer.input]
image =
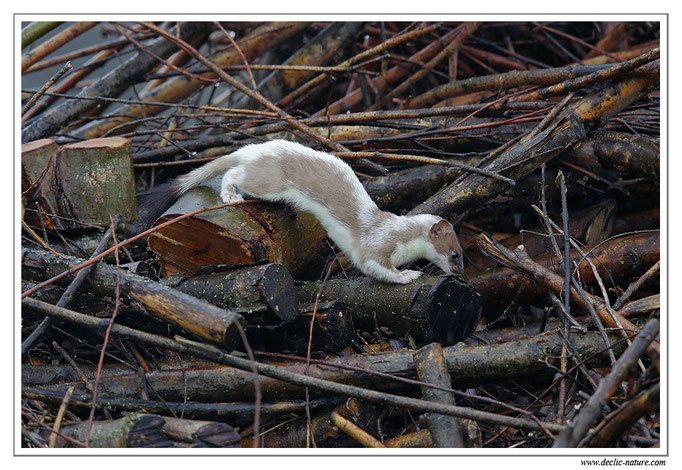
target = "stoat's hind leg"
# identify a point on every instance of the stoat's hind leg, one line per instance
(228, 190)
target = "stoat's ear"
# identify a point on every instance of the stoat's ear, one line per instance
(438, 228)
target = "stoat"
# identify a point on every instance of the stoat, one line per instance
(376, 242)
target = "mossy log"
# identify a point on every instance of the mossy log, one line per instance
(194, 315)
(444, 309)
(79, 184)
(528, 358)
(264, 295)
(621, 258)
(138, 430)
(36, 30)
(237, 235)
(97, 181)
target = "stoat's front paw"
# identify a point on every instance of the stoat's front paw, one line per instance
(408, 276)
(231, 197)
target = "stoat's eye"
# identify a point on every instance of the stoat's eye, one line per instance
(454, 255)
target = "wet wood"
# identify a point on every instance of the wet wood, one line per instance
(37, 183)
(468, 366)
(263, 232)
(195, 316)
(589, 112)
(332, 331)
(132, 431)
(621, 258)
(431, 308)
(111, 84)
(511, 112)
(633, 156)
(446, 431)
(261, 294)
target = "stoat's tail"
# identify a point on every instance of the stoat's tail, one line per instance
(153, 203)
(194, 178)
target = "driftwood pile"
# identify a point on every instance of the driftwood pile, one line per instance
(206, 325)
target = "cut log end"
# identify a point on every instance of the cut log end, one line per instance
(36, 144)
(100, 143)
(279, 292)
(454, 309)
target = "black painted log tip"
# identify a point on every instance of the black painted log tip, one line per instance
(453, 309)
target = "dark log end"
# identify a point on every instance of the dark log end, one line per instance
(454, 309)
(278, 289)
(218, 435)
(146, 432)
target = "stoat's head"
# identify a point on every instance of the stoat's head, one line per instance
(448, 255)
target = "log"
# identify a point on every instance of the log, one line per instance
(585, 301)
(591, 411)
(295, 433)
(260, 39)
(139, 430)
(332, 332)
(36, 30)
(633, 156)
(618, 423)
(446, 431)
(469, 366)
(522, 159)
(621, 258)
(444, 309)
(419, 439)
(238, 413)
(236, 235)
(193, 315)
(37, 181)
(97, 181)
(316, 51)
(204, 433)
(263, 295)
(80, 184)
(358, 434)
(641, 306)
(589, 226)
(56, 41)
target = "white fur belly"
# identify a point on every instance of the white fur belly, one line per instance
(337, 231)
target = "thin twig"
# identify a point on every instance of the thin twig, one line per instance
(117, 303)
(47, 85)
(52, 440)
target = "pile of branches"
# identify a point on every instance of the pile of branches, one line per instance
(214, 325)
